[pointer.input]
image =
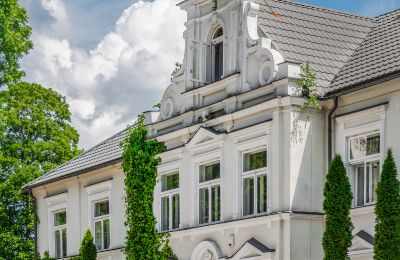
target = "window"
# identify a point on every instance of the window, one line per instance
(217, 54)
(209, 193)
(364, 160)
(102, 224)
(60, 234)
(254, 179)
(170, 213)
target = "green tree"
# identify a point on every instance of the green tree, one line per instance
(337, 203)
(88, 249)
(36, 137)
(139, 163)
(14, 40)
(387, 210)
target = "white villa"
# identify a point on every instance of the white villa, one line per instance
(245, 166)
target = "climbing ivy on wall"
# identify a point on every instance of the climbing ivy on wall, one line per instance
(308, 86)
(139, 163)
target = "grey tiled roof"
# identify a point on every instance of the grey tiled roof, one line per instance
(325, 38)
(377, 56)
(104, 153)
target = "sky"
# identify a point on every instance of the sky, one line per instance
(113, 59)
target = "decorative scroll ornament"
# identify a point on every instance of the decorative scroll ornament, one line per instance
(171, 102)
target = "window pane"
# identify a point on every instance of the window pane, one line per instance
(215, 204)
(360, 184)
(261, 193)
(169, 182)
(97, 234)
(175, 211)
(375, 167)
(60, 218)
(373, 143)
(357, 147)
(64, 242)
(218, 33)
(101, 208)
(248, 196)
(367, 177)
(209, 172)
(57, 237)
(106, 233)
(203, 206)
(164, 213)
(253, 161)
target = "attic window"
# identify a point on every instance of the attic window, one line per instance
(217, 54)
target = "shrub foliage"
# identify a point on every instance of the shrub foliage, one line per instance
(88, 249)
(387, 210)
(139, 165)
(337, 203)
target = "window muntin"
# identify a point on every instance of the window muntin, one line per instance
(366, 179)
(170, 201)
(363, 146)
(254, 183)
(60, 233)
(209, 193)
(102, 224)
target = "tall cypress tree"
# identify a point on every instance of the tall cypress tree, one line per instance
(387, 210)
(337, 203)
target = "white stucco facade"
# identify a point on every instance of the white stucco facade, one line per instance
(218, 113)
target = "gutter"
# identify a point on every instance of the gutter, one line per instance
(330, 128)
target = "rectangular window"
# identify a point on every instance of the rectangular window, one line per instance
(60, 233)
(364, 156)
(254, 182)
(209, 193)
(170, 205)
(102, 224)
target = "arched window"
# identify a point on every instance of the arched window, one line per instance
(217, 54)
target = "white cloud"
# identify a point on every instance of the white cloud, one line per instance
(124, 75)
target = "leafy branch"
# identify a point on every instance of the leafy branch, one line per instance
(308, 86)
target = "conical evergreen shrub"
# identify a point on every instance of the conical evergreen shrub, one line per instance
(387, 210)
(337, 203)
(88, 249)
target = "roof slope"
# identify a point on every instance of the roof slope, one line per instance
(105, 153)
(325, 38)
(377, 56)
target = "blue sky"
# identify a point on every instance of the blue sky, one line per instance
(113, 59)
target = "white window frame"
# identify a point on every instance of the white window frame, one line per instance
(254, 174)
(365, 122)
(101, 219)
(170, 194)
(55, 203)
(353, 163)
(60, 228)
(96, 193)
(209, 185)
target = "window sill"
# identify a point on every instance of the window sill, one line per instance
(367, 209)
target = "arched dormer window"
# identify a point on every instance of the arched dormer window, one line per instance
(217, 54)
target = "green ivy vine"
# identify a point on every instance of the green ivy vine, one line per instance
(142, 240)
(308, 86)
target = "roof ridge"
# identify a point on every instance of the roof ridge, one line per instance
(324, 9)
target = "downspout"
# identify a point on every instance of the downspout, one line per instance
(214, 5)
(34, 223)
(330, 130)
